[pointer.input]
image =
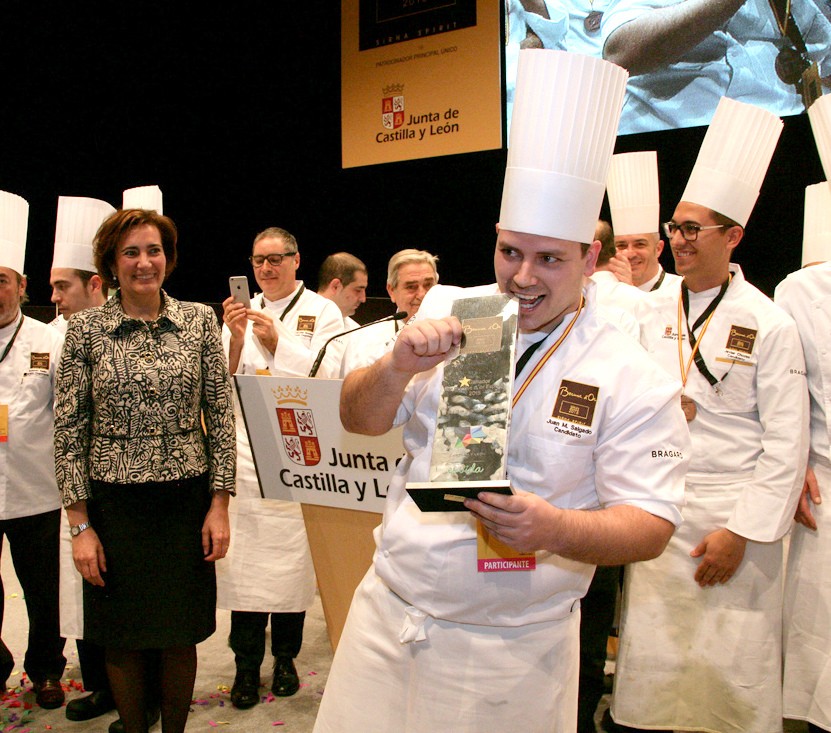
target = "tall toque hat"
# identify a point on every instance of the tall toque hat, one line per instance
(563, 129)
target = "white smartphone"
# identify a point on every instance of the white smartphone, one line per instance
(239, 289)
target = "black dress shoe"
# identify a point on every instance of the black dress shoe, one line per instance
(48, 693)
(91, 706)
(153, 715)
(608, 725)
(246, 690)
(285, 681)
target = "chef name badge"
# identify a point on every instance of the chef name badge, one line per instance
(739, 346)
(494, 556)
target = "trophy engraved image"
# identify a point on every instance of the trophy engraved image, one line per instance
(474, 410)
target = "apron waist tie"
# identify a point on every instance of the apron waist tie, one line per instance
(413, 627)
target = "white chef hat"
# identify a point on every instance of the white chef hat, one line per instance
(78, 221)
(820, 115)
(816, 233)
(632, 187)
(565, 119)
(14, 224)
(143, 197)
(733, 159)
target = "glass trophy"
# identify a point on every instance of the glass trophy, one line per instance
(474, 409)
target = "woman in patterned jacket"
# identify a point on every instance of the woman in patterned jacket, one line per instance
(146, 489)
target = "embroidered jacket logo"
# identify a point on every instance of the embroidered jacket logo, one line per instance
(576, 403)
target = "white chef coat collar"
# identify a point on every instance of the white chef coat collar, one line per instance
(649, 284)
(604, 276)
(279, 305)
(7, 331)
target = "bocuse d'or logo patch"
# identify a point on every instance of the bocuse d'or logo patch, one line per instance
(742, 339)
(575, 403)
(306, 324)
(39, 360)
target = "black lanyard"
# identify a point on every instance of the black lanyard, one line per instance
(660, 280)
(685, 298)
(529, 352)
(11, 341)
(289, 306)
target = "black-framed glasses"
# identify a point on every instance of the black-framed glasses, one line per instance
(275, 260)
(688, 230)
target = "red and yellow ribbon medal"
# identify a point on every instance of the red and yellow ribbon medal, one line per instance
(687, 403)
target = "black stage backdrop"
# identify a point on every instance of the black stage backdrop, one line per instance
(235, 112)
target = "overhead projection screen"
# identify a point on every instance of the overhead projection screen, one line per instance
(684, 55)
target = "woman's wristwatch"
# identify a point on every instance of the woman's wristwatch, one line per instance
(76, 529)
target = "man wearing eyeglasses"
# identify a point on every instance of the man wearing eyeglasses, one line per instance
(268, 570)
(701, 625)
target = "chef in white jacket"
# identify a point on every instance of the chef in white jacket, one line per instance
(634, 201)
(596, 452)
(30, 505)
(806, 295)
(701, 625)
(620, 302)
(342, 278)
(268, 570)
(410, 274)
(76, 286)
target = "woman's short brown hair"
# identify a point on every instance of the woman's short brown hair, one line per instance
(113, 230)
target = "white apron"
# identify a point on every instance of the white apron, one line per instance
(807, 686)
(419, 674)
(268, 566)
(703, 659)
(71, 587)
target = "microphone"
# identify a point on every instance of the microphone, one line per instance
(399, 316)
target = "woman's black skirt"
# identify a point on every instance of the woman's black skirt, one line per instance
(159, 592)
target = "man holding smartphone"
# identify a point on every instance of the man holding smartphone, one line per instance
(268, 570)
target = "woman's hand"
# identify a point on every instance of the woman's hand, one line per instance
(216, 529)
(88, 554)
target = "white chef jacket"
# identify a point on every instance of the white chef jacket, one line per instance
(366, 346)
(303, 331)
(806, 295)
(338, 346)
(611, 293)
(268, 567)
(633, 451)
(60, 323)
(736, 61)
(759, 408)
(681, 644)
(669, 281)
(27, 385)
